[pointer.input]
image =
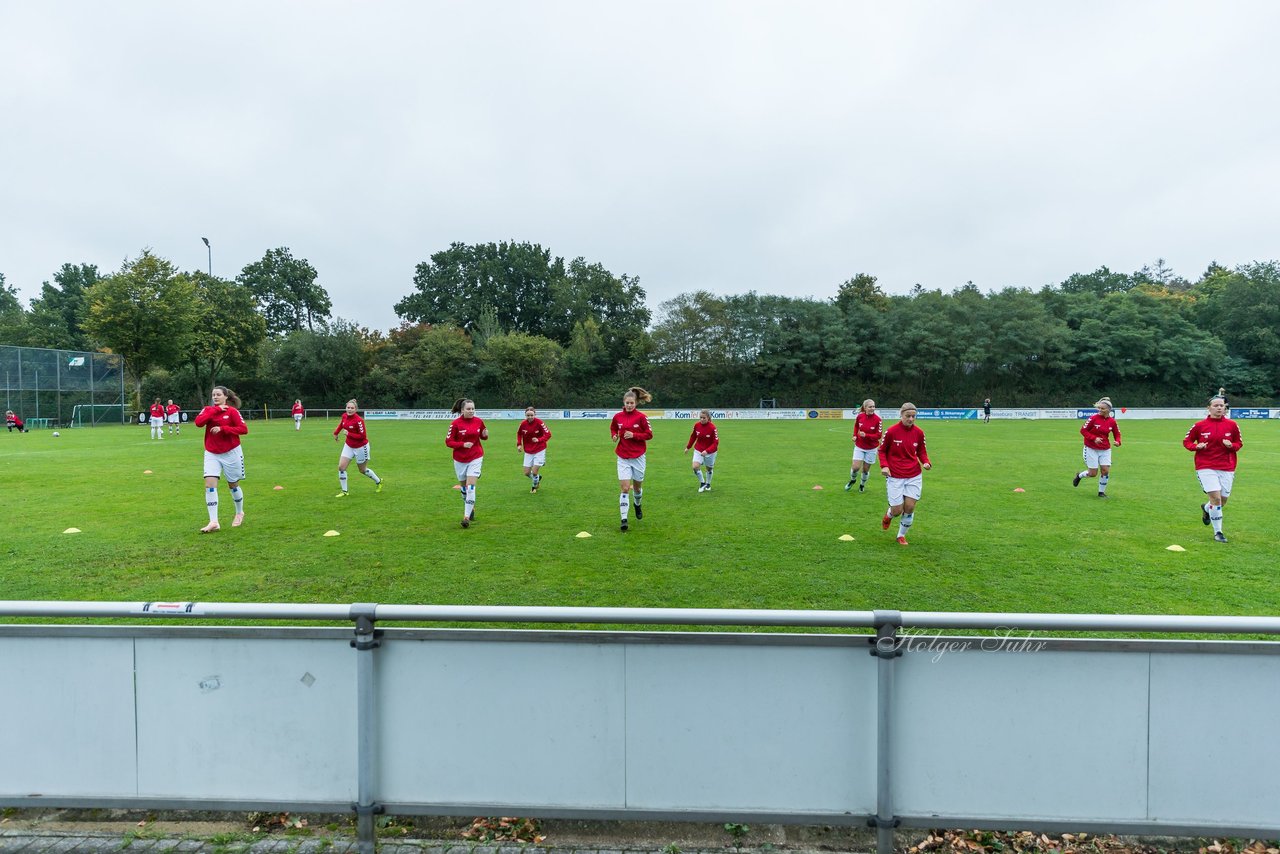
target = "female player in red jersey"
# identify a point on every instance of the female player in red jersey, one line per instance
(172, 415)
(630, 431)
(1215, 441)
(1097, 445)
(298, 412)
(464, 436)
(223, 428)
(866, 442)
(902, 457)
(705, 441)
(13, 422)
(532, 437)
(356, 448)
(157, 419)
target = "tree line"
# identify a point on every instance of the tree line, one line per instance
(510, 323)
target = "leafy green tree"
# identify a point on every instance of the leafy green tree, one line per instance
(616, 303)
(1100, 282)
(146, 313)
(14, 325)
(513, 279)
(228, 334)
(286, 290)
(861, 290)
(325, 366)
(58, 314)
(1242, 308)
(432, 365)
(521, 368)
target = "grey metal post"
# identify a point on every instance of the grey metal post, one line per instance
(885, 650)
(364, 643)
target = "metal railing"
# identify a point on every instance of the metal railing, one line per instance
(1156, 726)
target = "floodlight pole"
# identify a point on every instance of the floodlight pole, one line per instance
(209, 246)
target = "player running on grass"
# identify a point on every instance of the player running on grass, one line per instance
(223, 455)
(630, 431)
(866, 442)
(1097, 445)
(705, 441)
(464, 436)
(902, 457)
(356, 448)
(532, 437)
(1215, 441)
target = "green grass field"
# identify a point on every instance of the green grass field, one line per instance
(764, 538)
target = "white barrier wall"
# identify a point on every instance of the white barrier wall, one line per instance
(1144, 736)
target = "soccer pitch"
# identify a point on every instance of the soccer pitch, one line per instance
(763, 538)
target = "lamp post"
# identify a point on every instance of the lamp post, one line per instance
(209, 246)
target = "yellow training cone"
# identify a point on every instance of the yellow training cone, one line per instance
(71, 531)
(582, 535)
(845, 538)
(331, 534)
(148, 471)
(1174, 548)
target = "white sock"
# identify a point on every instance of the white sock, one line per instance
(1102, 483)
(238, 497)
(710, 471)
(905, 523)
(469, 503)
(1215, 517)
(1083, 474)
(864, 478)
(624, 505)
(373, 477)
(342, 480)
(639, 494)
(211, 501)
(698, 474)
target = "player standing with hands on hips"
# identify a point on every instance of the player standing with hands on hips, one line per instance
(223, 455)
(1215, 441)
(157, 419)
(902, 457)
(356, 448)
(532, 437)
(1097, 445)
(630, 431)
(464, 436)
(705, 441)
(866, 443)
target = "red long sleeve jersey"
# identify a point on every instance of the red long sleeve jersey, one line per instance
(354, 425)
(638, 424)
(297, 409)
(1214, 455)
(233, 427)
(172, 409)
(1098, 427)
(461, 431)
(902, 451)
(533, 435)
(871, 425)
(157, 410)
(704, 439)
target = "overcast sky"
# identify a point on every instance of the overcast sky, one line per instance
(780, 147)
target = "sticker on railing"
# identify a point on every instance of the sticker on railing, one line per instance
(177, 609)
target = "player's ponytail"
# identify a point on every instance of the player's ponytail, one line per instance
(232, 398)
(640, 395)
(459, 403)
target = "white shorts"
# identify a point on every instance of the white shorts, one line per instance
(1094, 457)
(866, 455)
(466, 470)
(360, 454)
(708, 460)
(903, 487)
(539, 459)
(631, 469)
(297, 419)
(173, 419)
(1213, 480)
(229, 464)
(157, 422)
